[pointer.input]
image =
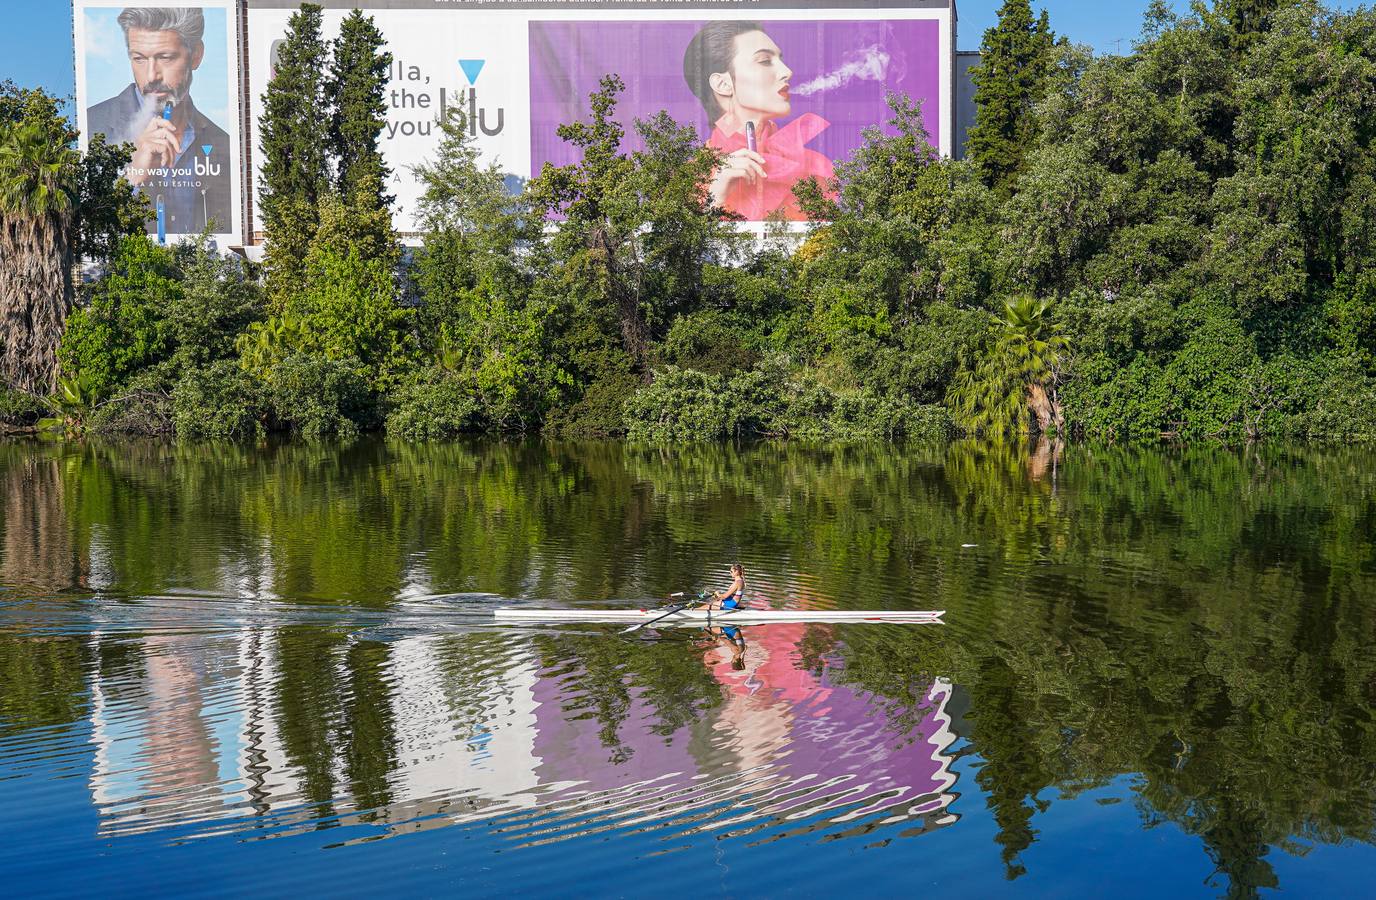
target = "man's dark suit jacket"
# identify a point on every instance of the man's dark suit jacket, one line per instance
(184, 207)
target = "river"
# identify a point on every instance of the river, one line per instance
(238, 671)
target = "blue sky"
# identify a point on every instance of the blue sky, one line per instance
(36, 45)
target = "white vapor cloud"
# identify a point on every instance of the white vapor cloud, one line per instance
(869, 64)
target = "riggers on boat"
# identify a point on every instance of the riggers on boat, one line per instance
(702, 616)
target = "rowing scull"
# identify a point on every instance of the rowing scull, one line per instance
(701, 616)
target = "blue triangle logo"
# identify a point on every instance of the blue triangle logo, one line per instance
(206, 148)
(471, 68)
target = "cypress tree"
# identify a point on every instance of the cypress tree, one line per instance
(356, 92)
(1010, 79)
(295, 173)
(1247, 21)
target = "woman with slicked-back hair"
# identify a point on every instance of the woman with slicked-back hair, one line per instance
(739, 76)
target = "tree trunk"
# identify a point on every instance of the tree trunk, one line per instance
(35, 295)
(635, 333)
(1042, 408)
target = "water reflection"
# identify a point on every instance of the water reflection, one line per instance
(269, 732)
(250, 643)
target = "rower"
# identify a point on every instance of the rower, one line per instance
(733, 596)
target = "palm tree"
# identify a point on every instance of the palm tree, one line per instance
(1015, 384)
(38, 184)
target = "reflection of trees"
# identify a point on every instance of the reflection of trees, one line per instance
(1195, 618)
(42, 682)
(39, 549)
(333, 712)
(667, 677)
(1199, 619)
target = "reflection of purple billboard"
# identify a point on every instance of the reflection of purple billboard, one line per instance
(809, 88)
(782, 745)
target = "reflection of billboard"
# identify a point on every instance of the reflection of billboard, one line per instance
(160, 78)
(808, 75)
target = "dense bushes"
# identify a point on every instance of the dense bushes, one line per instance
(439, 407)
(684, 404)
(18, 409)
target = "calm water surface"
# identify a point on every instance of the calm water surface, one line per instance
(236, 672)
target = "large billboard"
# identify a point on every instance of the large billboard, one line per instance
(784, 89)
(165, 80)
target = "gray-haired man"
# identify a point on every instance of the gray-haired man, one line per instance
(180, 155)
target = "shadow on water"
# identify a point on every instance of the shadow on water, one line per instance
(229, 644)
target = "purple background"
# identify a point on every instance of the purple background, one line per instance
(568, 58)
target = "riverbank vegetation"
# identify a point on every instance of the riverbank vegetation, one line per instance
(1174, 242)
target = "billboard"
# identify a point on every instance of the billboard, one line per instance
(782, 89)
(165, 80)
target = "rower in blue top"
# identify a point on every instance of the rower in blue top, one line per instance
(734, 596)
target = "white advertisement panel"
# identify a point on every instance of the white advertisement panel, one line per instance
(440, 58)
(165, 80)
(795, 82)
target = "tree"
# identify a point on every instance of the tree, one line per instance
(474, 228)
(1019, 374)
(122, 329)
(1247, 21)
(295, 173)
(356, 94)
(488, 333)
(896, 274)
(38, 194)
(348, 306)
(637, 227)
(1010, 80)
(109, 210)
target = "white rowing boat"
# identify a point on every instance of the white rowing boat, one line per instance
(701, 616)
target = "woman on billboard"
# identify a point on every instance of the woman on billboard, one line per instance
(738, 74)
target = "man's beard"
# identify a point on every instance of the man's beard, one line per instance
(177, 96)
(152, 107)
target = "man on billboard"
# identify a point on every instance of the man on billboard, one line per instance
(181, 159)
(738, 74)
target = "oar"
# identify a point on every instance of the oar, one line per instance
(669, 612)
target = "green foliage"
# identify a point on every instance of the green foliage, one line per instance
(320, 397)
(356, 92)
(108, 210)
(19, 409)
(106, 207)
(813, 412)
(684, 405)
(294, 140)
(637, 228)
(435, 407)
(155, 319)
(218, 401)
(1011, 78)
(69, 407)
(906, 254)
(688, 405)
(1013, 386)
(1201, 211)
(123, 326)
(350, 311)
(219, 299)
(263, 345)
(711, 341)
(598, 413)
